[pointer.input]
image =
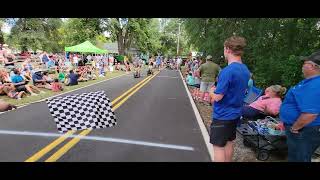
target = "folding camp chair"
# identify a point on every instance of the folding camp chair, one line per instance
(253, 94)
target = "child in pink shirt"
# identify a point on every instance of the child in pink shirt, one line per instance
(56, 86)
(268, 104)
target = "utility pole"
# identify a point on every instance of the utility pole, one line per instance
(178, 39)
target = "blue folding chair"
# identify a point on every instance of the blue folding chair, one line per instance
(253, 94)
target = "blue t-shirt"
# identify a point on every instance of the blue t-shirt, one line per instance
(158, 61)
(36, 76)
(50, 64)
(73, 79)
(45, 58)
(16, 78)
(302, 98)
(232, 83)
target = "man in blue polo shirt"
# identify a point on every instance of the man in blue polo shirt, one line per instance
(228, 100)
(300, 112)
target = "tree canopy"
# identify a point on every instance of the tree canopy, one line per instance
(274, 44)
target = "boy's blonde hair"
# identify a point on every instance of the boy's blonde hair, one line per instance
(236, 44)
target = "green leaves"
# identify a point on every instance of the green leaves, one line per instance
(78, 30)
(273, 44)
(35, 33)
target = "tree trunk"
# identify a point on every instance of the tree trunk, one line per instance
(120, 44)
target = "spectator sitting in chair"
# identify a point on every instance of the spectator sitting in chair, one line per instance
(21, 85)
(91, 76)
(26, 73)
(12, 92)
(39, 81)
(8, 63)
(72, 78)
(56, 86)
(81, 75)
(51, 63)
(44, 58)
(61, 75)
(4, 75)
(5, 88)
(268, 104)
(47, 77)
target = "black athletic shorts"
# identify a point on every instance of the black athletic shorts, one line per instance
(21, 88)
(222, 131)
(196, 86)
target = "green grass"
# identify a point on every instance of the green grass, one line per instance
(49, 93)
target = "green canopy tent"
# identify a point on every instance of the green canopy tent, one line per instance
(85, 47)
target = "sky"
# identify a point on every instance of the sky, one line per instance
(6, 28)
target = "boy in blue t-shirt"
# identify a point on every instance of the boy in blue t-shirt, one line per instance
(228, 99)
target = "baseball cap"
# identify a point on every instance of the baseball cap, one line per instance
(209, 57)
(314, 57)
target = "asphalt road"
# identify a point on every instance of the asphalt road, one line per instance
(156, 124)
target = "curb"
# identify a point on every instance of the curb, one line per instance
(203, 128)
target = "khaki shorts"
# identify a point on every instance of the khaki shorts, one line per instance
(206, 86)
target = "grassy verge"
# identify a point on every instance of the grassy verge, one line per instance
(49, 93)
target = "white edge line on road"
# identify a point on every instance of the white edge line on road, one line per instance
(24, 105)
(203, 129)
(97, 138)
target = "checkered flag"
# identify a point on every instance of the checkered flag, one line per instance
(91, 110)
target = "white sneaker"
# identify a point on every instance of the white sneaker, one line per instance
(34, 94)
(42, 92)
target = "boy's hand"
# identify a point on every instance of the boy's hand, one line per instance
(213, 89)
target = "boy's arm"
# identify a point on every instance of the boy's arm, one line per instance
(217, 97)
(19, 83)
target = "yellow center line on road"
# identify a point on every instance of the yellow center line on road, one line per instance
(127, 97)
(125, 93)
(74, 141)
(58, 141)
(46, 149)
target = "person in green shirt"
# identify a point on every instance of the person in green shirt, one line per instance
(61, 76)
(208, 73)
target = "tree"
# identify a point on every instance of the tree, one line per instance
(1, 33)
(274, 45)
(77, 30)
(140, 32)
(169, 37)
(51, 28)
(28, 33)
(35, 33)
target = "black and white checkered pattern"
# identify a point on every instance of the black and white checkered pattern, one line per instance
(82, 111)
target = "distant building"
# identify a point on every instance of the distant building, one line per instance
(113, 48)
